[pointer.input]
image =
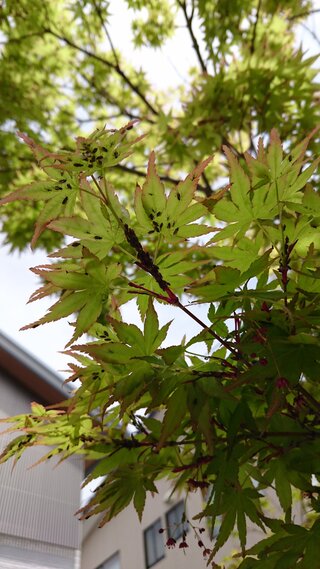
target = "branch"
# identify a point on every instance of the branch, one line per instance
(21, 38)
(223, 342)
(109, 64)
(311, 32)
(226, 142)
(146, 263)
(99, 14)
(284, 434)
(195, 44)
(114, 102)
(304, 14)
(206, 190)
(255, 28)
(101, 118)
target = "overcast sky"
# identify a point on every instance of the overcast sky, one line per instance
(166, 68)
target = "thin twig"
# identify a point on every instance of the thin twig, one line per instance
(255, 28)
(223, 342)
(99, 14)
(101, 118)
(304, 14)
(267, 434)
(22, 38)
(208, 189)
(311, 32)
(194, 40)
(226, 142)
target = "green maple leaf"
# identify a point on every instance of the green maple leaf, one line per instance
(66, 173)
(153, 336)
(84, 293)
(170, 216)
(59, 192)
(234, 207)
(99, 232)
(132, 343)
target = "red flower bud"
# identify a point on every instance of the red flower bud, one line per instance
(183, 545)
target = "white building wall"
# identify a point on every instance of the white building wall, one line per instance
(125, 534)
(18, 553)
(38, 528)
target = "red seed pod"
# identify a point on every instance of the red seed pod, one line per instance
(299, 401)
(171, 543)
(282, 383)
(265, 307)
(192, 484)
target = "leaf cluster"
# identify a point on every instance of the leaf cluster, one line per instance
(64, 70)
(237, 420)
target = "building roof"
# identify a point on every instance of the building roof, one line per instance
(46, 385)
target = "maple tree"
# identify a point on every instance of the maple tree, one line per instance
(239, 419)
(239, 400)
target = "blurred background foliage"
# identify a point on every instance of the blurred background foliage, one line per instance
(63, 72)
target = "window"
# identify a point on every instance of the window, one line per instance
(153, 544)
(111, 563)
(175, 521)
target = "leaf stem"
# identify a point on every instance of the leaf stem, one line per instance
(216, 336)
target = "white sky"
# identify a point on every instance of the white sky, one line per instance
(166, 69)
